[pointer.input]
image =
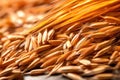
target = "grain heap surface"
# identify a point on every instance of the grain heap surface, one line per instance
(79, 39)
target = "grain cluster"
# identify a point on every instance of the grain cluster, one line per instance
(79, 39)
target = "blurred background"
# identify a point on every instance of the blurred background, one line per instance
(19, 15)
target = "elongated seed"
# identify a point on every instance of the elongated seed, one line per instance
(97, 35)
(15, 37)
(57, 53)
(32, 64)
(39, 39)
(103, 44)
(75, 39)
(6, 72)
(78, 38)
(27, 61)
(50, 34)
(33, 40)
(50, 61)
(27, 43)
(45, 36)
(100, 60)
(54, 49)
(68, 69)
(103, 51)
(73, 55)
(97, 25)
(8, 62)
(85, 62)
(42, 48)
(104, 76)
(36, 72)
(63, 57)
(86, 51)
(97, 70)
(114, 55)
(80, 42)
(56, 68)
(74, 76)
(55, 42)
(112, 19)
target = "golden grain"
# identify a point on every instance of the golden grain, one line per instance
(114, 55)
(56, 67)
(112, 19)
(97, 25)
(85, 62)
(100, 60)
(86, 51)
(26, 61)
(6, 72)
(105, 28)
(57, 53)
(55, 42)
(32, 64)
(33, 41)
(96, 70)
(50, 61)
(104, 76)
(74, 76)
(103, 44)
(75, 39)
(63, 57)
(45, 36)
(39, 39)
(72, 55)
(78, 38)
(36, 72)
(66, 69)
(9, 61)
(51, 34)
(54, 50)
(77, 47)
(103, 51)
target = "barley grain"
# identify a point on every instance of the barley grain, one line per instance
(78, 38)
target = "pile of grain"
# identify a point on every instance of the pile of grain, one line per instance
(77, 38)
